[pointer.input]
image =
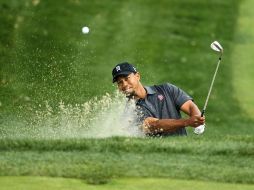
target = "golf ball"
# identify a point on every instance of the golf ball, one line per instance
(85, 30)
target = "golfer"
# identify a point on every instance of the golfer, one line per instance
(159, 105)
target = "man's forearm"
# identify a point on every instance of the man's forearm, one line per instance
(194, 110)
(190, 108)
(168, 125)
(154, 125)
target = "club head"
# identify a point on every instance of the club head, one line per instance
(199, 130)
(216, 46)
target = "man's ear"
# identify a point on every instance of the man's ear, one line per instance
(137, 74)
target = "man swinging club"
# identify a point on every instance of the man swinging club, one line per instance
(160, 105)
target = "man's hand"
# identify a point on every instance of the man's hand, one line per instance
(195, 121)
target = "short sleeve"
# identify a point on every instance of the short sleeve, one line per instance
(178, 96)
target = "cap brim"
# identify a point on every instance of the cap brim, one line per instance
(125, 73)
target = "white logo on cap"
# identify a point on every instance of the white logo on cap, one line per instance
(118, 68)
(135, 69)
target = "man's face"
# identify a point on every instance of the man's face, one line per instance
(128, 84)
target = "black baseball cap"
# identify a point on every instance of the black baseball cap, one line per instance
(123, 69)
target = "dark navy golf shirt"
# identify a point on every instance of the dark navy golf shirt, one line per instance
(163, 102)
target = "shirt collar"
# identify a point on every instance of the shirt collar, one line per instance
(149, 90)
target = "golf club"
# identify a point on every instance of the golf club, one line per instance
(216, 47)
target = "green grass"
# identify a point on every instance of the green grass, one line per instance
(45, 57)
(30, 183)
(242, 59)
(51, 60)
(99, 160)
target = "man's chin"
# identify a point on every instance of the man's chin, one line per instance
(129, 94)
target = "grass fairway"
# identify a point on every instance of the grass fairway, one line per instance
(41, 183)
(227, 160)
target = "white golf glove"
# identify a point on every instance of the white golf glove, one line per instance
(199, 130)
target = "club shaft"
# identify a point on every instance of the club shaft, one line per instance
(211, 86)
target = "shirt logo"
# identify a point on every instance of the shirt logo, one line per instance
(160, 97)
(118, 68)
